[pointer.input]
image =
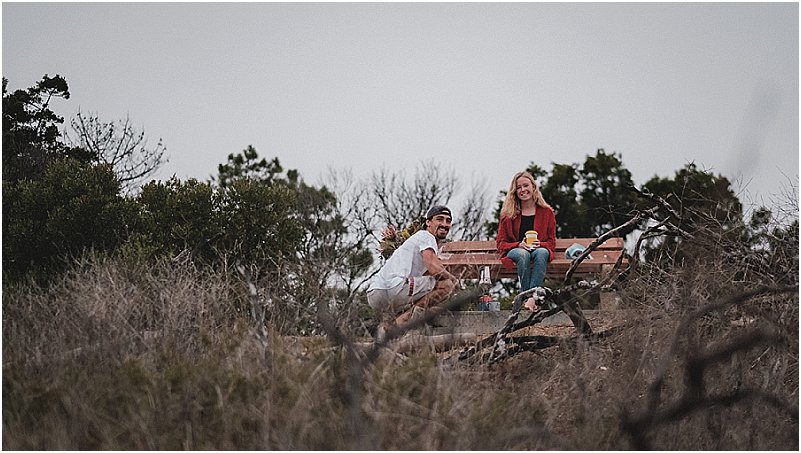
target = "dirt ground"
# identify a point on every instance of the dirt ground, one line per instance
(599, 321)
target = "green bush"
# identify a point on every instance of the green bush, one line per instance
(177, 215)
(70, 208)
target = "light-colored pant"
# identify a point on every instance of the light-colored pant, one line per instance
(531, 266)
(398, 299)
(427, 294)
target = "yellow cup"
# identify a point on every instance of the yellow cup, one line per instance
(531, 237)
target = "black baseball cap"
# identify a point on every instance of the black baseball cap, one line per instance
(438, 209)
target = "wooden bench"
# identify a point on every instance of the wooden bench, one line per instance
(466, 258)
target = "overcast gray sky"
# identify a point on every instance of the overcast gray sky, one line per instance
(482, 88)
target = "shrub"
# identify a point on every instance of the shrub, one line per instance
(71, 208)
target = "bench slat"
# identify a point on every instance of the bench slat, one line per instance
(466, 258)
(556, 270)
(490, 259)
(561, 245)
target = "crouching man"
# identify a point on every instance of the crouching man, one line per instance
(414, 279)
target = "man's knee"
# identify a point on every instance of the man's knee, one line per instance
(376, 299)
(448, 285)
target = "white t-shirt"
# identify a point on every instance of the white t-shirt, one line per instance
(406, 261)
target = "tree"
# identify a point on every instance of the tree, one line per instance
(705, 202)
(472, 215)
(31, 137)
(312, 208)
(178, 215)
(606, 196)
(58, 201)
(119, 145)
(260, 223)
(248, 165)
(697, 191)
(774, 246)
(560, 191)
(356, 233)
(394, 198)
(327, 260)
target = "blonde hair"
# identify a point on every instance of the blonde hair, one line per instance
(511, 205)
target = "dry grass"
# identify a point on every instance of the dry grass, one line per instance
(150, 356)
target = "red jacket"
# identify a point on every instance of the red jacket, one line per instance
(509, 232)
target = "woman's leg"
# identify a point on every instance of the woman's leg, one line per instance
(539, 259)
(522, 259)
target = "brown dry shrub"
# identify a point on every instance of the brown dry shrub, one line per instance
(143, 356)
(158, 356)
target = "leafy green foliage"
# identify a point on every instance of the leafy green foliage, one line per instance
(605, 195)
(31, 137)
(260, 221)
(251, 221)
(72, 207)
(299, 229)
(58, 201)
(704, 200)
(248, 166)
(694, 191)
(560, 190)
(177, 215)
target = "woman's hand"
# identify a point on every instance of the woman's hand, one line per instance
(534, 245)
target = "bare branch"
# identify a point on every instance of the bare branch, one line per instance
(119, 145)
(694, 395)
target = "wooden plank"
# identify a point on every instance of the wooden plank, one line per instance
(610, 244)
(461, 246)
(556, 270)
(561, 245)
(471, 258)
(492, 259)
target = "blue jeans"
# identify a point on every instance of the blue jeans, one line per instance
(531, 266)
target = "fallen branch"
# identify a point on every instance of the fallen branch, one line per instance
(555, 301)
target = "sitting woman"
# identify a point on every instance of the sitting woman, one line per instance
(524, 209)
